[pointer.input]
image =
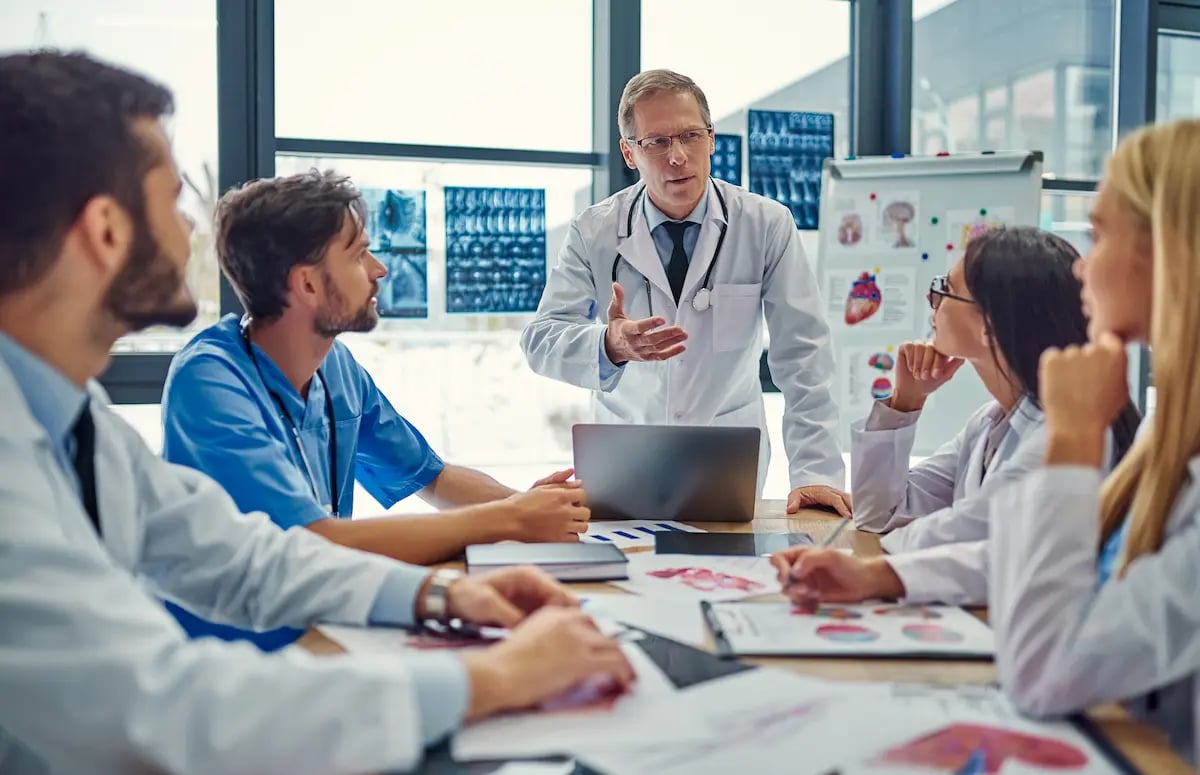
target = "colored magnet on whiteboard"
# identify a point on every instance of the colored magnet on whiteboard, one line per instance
(924, 256)
(983, 211)
(933, 220)
(872, 197)
(949, 246)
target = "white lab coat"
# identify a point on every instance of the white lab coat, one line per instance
(1063, 643)
(938, 510)
(96, 677)
(761, 268)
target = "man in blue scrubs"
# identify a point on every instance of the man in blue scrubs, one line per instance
(251, 402)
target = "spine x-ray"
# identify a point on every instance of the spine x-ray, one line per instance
(727, 159)
(787, 151)
(396, 228)
(495, 249)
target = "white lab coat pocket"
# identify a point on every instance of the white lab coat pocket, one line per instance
(736, 312)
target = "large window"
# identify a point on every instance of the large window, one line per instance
(1066, 214)
(1178, 76)
(1015, 75)
(479, 78)
(462, 379)
(176, 44)
(767, 55)
(512, 74)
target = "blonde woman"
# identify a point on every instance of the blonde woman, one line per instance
(1095, 584)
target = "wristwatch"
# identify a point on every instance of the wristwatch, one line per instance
(435, 601)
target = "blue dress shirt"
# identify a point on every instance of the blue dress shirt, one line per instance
(54, 401)
(655, 218)
(219, 418)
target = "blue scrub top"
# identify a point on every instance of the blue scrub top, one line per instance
(1107, 561)
(219, 418)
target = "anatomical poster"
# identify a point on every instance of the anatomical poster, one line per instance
(899, 217)
(963, 225)
(866, 374)
(871, 298)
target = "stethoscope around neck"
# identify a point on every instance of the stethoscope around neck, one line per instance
(287, 416)
(703, 298)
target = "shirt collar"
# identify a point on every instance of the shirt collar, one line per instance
(54, 401)
(1024, 416)
(273, 379)
(656, 217)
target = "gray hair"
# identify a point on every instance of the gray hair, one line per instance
(650, 83)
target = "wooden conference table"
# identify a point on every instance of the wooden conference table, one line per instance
(1144, 746)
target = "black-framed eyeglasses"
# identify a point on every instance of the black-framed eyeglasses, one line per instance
(939, 289)
(661, 144)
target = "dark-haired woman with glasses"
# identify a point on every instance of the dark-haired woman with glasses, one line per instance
(1012, 295)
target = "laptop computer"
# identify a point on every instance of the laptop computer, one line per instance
(690, 473)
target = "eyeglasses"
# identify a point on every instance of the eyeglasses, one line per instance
(661, 144)
(939, 289)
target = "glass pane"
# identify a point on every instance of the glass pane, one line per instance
(461, 378)
(175, 43)
(516, 74)
(1066, 214)
(1178, 77)
(764, 55)
(1042, 69)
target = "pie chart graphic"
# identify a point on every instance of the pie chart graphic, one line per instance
(847, 633)
(931, 633)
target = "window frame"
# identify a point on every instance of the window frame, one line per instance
(880, 96)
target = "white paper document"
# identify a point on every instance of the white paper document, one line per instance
(690, 578)
(863, 629)
(389, 640)
(669, 618)
(632, 532)
(968, 730)
(624, 720)
(761, 722)
(754, 722)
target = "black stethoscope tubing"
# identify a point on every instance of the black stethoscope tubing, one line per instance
(312, 479)
(707, 285)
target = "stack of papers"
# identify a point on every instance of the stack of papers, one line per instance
(762, 722)
(665, 617)
(561, 727)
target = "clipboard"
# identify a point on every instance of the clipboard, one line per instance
(861, 631)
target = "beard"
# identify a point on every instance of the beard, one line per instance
(150, 289)
(337, 317)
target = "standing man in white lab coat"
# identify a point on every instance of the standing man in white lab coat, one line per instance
(657, 302)
(95, 676)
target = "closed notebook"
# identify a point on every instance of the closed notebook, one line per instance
(565, 562)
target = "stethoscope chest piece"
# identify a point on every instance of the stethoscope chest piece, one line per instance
(702, 300)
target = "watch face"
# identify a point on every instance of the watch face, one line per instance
(436, 593)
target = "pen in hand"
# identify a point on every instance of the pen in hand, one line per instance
(825, 544)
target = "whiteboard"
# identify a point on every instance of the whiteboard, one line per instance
(889, 226)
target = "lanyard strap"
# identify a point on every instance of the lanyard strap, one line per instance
(287, 416)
